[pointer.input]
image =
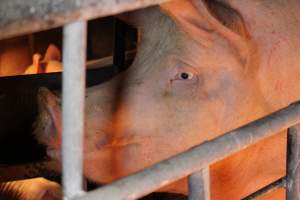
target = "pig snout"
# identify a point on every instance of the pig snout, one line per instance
(48, 123)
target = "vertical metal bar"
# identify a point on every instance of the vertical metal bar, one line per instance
(74, 58)
(199, 185)
(293, 170)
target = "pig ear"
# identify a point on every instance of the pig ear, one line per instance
(227, 21)
(205, 16)
(139, 18)
(52, 53)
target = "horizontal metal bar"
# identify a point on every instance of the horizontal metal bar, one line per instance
(184, 164)
(108, 61)
(293, 167)
(281, 183)
(74, 58)
(19, 17)
(199, 185)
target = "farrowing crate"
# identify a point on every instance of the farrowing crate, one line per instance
(20, 17)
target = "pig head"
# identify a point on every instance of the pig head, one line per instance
(195, 76)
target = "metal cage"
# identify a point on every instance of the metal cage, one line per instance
(35, 15)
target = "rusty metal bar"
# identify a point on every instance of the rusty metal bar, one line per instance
(74, 58)
(293, 173)
(281, 183)
(19, 17)
(199, 185)
(193, 160)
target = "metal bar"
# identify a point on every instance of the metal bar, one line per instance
(186, 163)
(19, 17)
(281, 183)
(74, 58)
(199, 185)
(293, 173)
(109, 60)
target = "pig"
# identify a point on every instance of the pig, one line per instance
(202, 68)
(15, 56)
(50, 63)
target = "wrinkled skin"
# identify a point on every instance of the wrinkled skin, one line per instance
(195, 77)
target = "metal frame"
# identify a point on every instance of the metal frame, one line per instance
(198, 158)
(19, 17)
(293, 172)
(74, 58)
(193, 163)
(281, 183)
(199, 185)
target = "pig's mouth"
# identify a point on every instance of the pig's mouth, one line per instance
(54, 154)
(118, 143)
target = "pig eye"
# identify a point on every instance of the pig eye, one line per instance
(184, 73)
(185, 76)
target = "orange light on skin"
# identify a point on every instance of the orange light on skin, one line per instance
(35, 188)
(51, 62)
(40, 66)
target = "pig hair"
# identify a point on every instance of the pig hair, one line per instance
(228, 16)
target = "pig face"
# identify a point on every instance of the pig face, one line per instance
(189, 83)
